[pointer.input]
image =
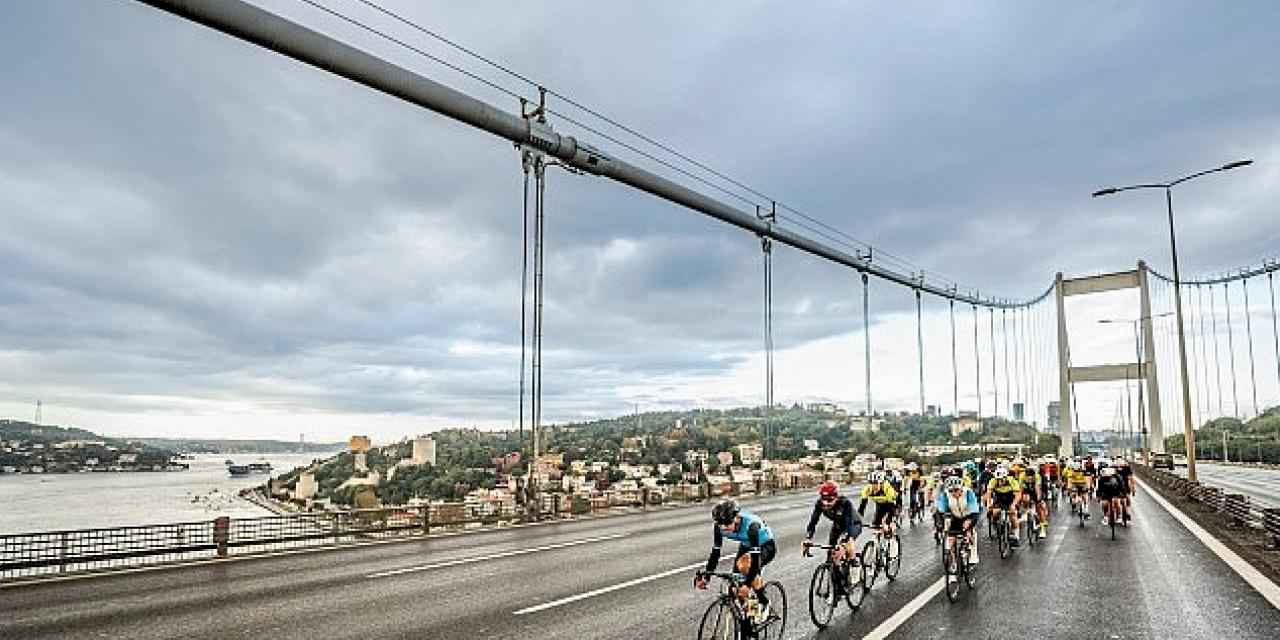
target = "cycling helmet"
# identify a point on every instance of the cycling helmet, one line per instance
(1002, 472)
(1075, 465)
(1107, 471)
(936, 475)
(911, 466)
(953, 483)
(725, 511)
(875, 477)
(828, 489)
(1121, 462)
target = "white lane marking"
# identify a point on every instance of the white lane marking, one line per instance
(491, 556)
(604, 590)
(889, 626)
(1263, 584)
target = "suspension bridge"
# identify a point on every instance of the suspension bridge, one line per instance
(1200, 354)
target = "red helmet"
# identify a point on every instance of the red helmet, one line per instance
(828, 489)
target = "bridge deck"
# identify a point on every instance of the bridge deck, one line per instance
(1155, 581)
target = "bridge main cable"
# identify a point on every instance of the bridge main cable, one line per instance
(270, 31)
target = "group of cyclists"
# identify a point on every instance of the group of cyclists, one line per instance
(956, 495)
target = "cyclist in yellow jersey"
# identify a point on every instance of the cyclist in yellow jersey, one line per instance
(1079, 483)
(1033, 491)
(1003, 492)
(885, 498)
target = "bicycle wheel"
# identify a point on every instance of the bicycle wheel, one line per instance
(951, 571)
(719, 621)
(772, 628)
(870, 568)
(893, 557)
(1032, 526)
(854, 590)
(1002, 536)
(822, 594)
(1112, 520)
(970, 578)
(991, 526)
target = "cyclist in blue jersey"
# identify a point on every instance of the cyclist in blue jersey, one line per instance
(756, 548)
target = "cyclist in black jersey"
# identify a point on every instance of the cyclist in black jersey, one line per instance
(844, 527)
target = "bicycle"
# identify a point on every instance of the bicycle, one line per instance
(1032, 520)
(732, 618)
(956, 565)
(881, 553)
(1002, 533)
(827, 579)
(917, 506)
(1080, 506)
(1116, 506)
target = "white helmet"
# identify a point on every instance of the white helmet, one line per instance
(1108, 471)
(875, 477)
(953, 482)
(1075, 465)
(911, 466)
(1121, 462)
(1001, 473)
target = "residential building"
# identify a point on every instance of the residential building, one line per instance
(750, 453)
(424, 450)
(1054, 413)
(360, 444)
(811, 445)
(865, 423)
(306, 487)
(725, 458)
(965, 425)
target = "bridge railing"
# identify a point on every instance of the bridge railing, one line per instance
(43, 554)
(1235, 508)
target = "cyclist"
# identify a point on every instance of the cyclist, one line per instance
(1049, 471)
(1079, 484)
(1110, 488)
(1130, 485)
(986, 474)
(844, 527)
(894, 477)
(756, 549)
(1034, 488)
(886, 499)
(915, 486)
(958, 506)
(1002, 494)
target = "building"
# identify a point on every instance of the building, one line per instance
(823, 407)
(1054, 413)
(306, 488)
(811, 445)
(696, 459)
(750, 453)
(1019, 412)
(932, 411)
(508, 463)
(424, 451)
(965, 425)
(865, 423)
(725, 458)
(360, 444)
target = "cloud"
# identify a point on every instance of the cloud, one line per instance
(197, 228)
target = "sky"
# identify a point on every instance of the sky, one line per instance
(203, 238)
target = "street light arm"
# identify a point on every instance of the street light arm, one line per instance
(1110, 190)
(1226, 167)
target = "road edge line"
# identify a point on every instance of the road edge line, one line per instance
(902, 615)
(1262, 584)
(603, 590)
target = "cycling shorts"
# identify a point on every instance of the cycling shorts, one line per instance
(883, 511)
(957, 524)
(1003, 500)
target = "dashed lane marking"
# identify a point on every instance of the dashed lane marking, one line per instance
(902, 615)
(604, 590)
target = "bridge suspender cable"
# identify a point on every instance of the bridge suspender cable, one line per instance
(1008, 383)
(1204, 349)
(1217, 357)
(995, 384)
(1231, 351)
(1248, 328)
(977, 363)
(1275, 329)
(524, 289)
(920, 349)
(955, 372)
(866, 341)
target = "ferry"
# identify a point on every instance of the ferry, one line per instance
(260, 467)
(237, 470)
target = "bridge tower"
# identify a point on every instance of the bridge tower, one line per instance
(1144, 369)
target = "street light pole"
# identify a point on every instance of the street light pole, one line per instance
(1188, 431)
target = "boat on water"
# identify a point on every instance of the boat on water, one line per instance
(229, 462)
(237, 470)
(260, 467)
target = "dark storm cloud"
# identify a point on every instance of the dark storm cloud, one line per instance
(189, 217)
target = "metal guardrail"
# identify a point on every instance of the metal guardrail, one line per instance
(1236, 508)
(43, 554)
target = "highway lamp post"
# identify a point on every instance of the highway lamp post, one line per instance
(1187, 431)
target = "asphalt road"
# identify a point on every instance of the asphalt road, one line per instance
(1261, 485)
(630, 578)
